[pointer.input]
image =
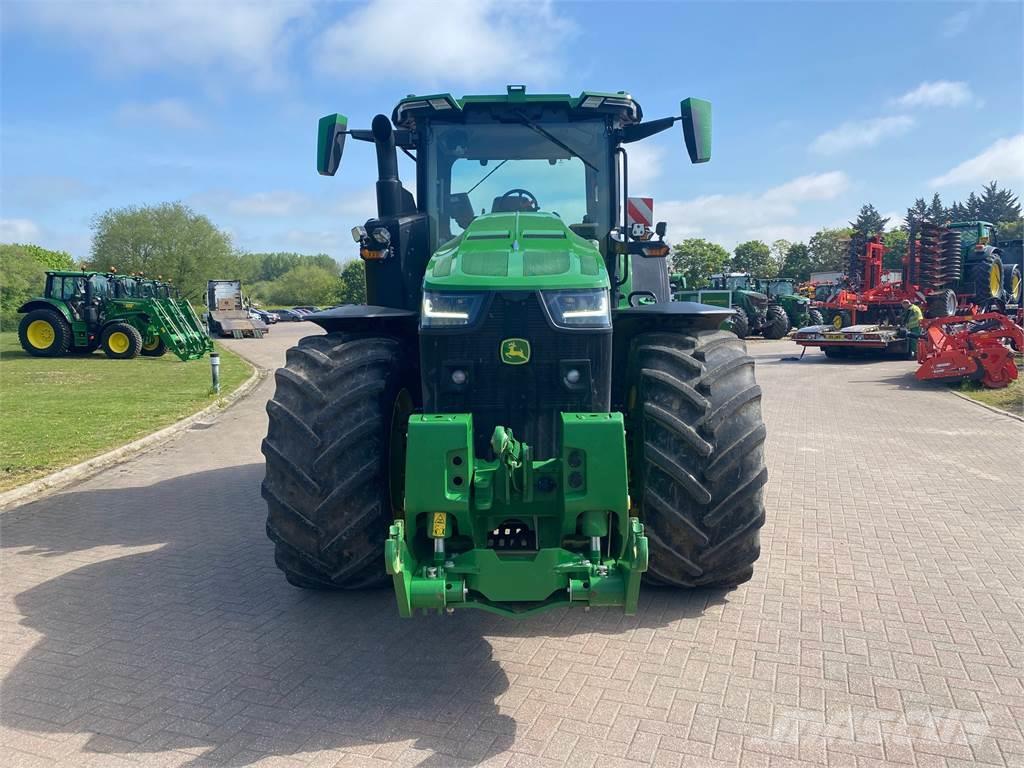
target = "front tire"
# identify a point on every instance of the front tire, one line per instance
(776, 323)
(154, 347)
(696, 438)
(987, 277)
(44, 333)
(814, 317)
(121, 341)
(738, 324)
(333, 448)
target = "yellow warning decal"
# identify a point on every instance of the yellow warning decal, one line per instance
(439, 525)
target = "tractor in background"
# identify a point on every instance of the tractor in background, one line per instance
(754, 314)
(124, 315)
(783, 292)
(519, 419)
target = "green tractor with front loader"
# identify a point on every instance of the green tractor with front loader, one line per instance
(753, 313)
(520, 418)
(124, 315)
(782, 291)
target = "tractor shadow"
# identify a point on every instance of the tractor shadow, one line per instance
(179, 633)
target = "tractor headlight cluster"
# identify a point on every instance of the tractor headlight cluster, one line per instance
(449, 309)
(586, 308)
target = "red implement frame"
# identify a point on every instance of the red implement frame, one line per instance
(969, 347)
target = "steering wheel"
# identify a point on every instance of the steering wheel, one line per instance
(524, 194)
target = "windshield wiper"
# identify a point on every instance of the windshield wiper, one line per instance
(485, 178)
(556, 141)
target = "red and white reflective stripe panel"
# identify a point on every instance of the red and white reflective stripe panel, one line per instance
(640, 210)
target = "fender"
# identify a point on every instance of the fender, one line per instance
(44, 303)
(361, 318)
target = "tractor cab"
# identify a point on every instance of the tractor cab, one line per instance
(974, 234)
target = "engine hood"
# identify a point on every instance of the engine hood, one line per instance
(516, 251)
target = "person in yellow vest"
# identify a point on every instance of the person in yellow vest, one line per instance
(912, 316)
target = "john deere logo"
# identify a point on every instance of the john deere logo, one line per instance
(515, 351)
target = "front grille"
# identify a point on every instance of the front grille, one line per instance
(527, 398)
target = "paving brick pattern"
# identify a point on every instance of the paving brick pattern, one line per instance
(142, 620)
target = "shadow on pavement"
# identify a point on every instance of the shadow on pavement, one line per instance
(197, 643)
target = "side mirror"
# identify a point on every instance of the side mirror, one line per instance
(696, 118)
(660, 229)
(329, 143)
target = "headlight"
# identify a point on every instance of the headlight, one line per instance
(588, 308)
(448, 309)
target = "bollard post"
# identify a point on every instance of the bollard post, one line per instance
(215, 371)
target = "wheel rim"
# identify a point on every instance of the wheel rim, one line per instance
(40, 334)
(994, 279)
(1015, 285)
(837, 322)
(118, 342)
(149, 346)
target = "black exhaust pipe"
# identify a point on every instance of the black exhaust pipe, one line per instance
(389, 187)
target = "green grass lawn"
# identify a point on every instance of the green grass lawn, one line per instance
(1010, 399)
(55, 412)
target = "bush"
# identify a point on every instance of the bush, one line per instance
(22, 276)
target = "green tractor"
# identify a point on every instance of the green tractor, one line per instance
(520, 418)
(752, 312)
(125, 316)
(782, 291)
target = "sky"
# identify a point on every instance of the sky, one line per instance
(819, 107)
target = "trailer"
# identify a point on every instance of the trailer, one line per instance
(855, 340)
(227, 314)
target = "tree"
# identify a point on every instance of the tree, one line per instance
(896, 242)
(304, 284)
(22, 276)
(998, 204)
(869, 221)
(754, 257)
(697, 259)
(916, 213)
(779, 250)
(828, 249)
(169, 240)
(797, 263)
(353, 283)
(937, 211)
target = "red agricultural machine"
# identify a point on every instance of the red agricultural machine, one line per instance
(947, 270)
(978, 347)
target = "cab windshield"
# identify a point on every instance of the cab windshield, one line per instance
(513, 167)
(781, 288)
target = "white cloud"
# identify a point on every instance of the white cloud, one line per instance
(767, 216)
(1002, 160)
(941, 93)
(269, 204)
(18, 230)
(454, 41)
(895, 220)
(956, 24)
(645, 164)
(861, 133)
(170, 112)
(243, 36)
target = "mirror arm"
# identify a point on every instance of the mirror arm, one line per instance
(631, 133)
(404, 139)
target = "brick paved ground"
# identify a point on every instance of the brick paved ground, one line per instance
(144, 623)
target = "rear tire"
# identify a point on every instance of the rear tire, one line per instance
(987, 278)
(776, 323)
(121, 341)
(835, 353)
(44, 333)
(814, 317)
(337, 427)
(738, 324)
(942, 304)
(697, 456)
(154, 348)
(1012, 283)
